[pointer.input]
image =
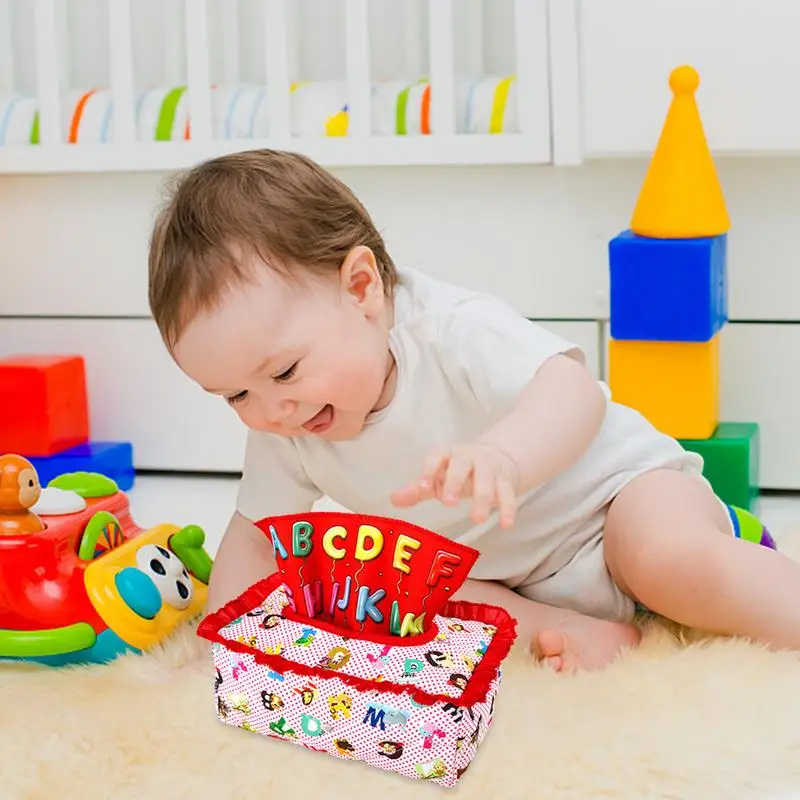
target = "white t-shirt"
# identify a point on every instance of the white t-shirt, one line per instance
(462, 360)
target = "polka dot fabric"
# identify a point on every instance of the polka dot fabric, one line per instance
(441, 666)
(395, 706)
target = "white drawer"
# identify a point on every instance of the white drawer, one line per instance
(77, 244)
(136, 393)
(745, 51)
(759, 383)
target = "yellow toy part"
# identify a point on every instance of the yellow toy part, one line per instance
(337, 124)
(681, 197)
(675, 385)
(141, 589)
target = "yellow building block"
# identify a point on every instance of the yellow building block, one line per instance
(675, 385)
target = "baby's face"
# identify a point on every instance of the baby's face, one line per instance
(296, 360)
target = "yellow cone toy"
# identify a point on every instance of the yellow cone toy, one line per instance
(681, 196)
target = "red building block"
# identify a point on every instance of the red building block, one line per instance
(44, 404)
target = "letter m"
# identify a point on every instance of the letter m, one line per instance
(375, 717)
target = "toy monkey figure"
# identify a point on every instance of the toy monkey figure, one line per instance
(19, 490)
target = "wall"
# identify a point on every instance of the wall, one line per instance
(536, 236)
(75, 247)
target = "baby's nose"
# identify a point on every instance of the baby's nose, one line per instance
(288, 407)
(277, 413)
(283, 411)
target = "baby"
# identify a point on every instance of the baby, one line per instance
(398, 395)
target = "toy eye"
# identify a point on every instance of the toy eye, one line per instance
(168, 574)
(157, 567)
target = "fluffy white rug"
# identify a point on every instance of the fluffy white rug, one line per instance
(681, 717)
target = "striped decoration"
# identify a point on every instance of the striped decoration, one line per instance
(485, 105)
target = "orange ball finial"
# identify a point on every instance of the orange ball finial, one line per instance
(684, 80)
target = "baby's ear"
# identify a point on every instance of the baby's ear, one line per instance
(361, 279)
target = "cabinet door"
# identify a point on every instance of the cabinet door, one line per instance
(745, 51)
(78, 245)
(136, 393)
(759, 382)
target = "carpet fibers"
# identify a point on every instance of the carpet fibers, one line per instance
(681, 717)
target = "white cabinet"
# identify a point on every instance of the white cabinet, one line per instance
(136, 393)
(759, 382)
(77, 245)
(745, 51)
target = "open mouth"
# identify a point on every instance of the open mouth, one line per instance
(321, 421)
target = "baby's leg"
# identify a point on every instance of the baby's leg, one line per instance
(668, 543)
(564, 639)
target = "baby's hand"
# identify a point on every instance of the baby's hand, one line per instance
(477, 470)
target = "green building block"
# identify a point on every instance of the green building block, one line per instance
(731, 459)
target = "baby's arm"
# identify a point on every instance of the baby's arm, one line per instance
(543, 410)
(273, 483)
(244, 558)
(557, 416)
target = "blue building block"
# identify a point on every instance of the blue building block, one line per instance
(112, 459)
(668, 289)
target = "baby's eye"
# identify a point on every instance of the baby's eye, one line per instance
(285, 376)
(237, 398)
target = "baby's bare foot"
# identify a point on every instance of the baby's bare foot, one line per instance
(582, 642)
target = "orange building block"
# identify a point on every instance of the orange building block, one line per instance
(44, 404)
(675, 385)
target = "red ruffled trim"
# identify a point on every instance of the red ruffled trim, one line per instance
(477, 686)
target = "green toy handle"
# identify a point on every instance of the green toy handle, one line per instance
(52, 642)
(187, 544)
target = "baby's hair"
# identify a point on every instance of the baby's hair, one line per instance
(278, 206)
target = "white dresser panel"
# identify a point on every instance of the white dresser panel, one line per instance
(760, 382)
(137, 394)
(745, 51)
(77, 245)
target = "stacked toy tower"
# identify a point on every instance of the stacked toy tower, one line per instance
(44, 416)
(669, 302)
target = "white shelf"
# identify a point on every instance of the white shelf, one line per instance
(330, 152)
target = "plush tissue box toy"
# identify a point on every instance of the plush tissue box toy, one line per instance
(353, 647)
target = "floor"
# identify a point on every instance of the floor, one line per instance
(209, 501)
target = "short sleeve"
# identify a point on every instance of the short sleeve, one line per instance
(494, 352)
(273, 479)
